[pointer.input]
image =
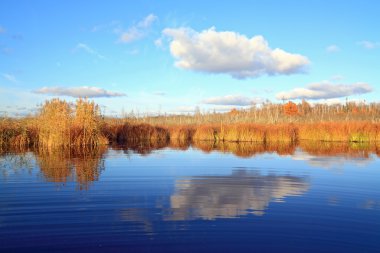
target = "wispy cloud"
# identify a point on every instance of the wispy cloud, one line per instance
(2, 29)
(114, 26)
(138, 31)
(6, 50)
(369, 44)
(83, 91)
(9, 77)
(325, 90)
(332, 49)
(159, 93)
(85, 48)
(235, 100)
(230, 53)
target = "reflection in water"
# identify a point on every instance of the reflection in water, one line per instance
(141, 147)
(211, 197)
(81, 166)
(245, 149)
(13, 164)
(352, 150)
(85, 166)
(335, 154)
(242, 192)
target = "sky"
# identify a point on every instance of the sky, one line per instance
(154, 56)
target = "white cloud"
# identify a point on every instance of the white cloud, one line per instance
(236, 100)
(83, 91)
(332, 49)
(2, 30)
(9, 77)
(139, 30)
(325, 90)
(369, 44)
(89, 50)
(231, 53)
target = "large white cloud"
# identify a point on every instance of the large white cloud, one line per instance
(231, 53)
(83, 91)
(236, 100)
(325, 90)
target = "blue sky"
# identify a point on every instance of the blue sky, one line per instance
(173, 56)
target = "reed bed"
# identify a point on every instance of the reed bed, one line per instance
(340, 131)
(61, 124)
(140, 132)
(247, 133)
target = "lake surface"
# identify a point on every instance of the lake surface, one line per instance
(192, 198)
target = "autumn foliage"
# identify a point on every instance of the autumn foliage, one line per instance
(290, 109)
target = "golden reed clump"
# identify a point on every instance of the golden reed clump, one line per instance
(63, 125)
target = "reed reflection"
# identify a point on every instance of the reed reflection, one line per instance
(245, 149)
(63, 165)
(143, 148)
(241, 193)
(336, 154)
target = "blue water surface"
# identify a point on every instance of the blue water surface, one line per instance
(171, 200)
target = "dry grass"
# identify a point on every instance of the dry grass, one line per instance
(140, 132)
(61, 124)
(340, 131)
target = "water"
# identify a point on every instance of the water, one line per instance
(202, 198)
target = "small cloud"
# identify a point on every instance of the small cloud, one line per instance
(325, 90)
(159, 93)
(17, 37)
(2, 30)
(332, 49)
(337, 77)
(147, 21)
(158, 43)
(186, 109)
(83, 91)
(9, 77)
(7, 50)
(230, 53)
(369, 44)
(235, 100)
(89, 50)
(133, 52)
(139, 30)
(114, 25)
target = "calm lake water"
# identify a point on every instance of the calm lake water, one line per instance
(200, 198)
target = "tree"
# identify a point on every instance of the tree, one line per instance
(290, 108)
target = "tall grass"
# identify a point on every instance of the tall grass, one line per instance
(62, 124)
(54, 124)
(340, 131)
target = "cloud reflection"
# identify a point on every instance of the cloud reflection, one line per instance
(238, 194)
